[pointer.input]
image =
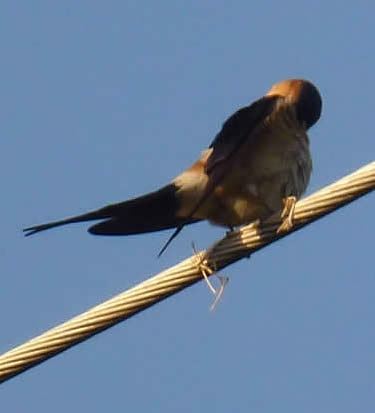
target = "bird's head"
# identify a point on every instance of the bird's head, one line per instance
(304, 95)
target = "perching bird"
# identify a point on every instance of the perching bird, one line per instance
(259, 164)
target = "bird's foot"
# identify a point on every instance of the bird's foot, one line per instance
(287, 214)
(206, 271)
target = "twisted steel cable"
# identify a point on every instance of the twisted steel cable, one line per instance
(236, 245)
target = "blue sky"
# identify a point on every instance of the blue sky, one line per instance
(101, 101)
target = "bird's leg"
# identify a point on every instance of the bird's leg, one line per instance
(287, 214)
(206, 271)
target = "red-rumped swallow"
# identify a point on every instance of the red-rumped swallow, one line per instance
(258, 165)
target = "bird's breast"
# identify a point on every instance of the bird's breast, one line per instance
(262, 175)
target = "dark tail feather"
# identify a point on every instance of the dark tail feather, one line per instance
(152, 212)
(80, 218)
(171, 238)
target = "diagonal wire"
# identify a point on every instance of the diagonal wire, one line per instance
(233, 247)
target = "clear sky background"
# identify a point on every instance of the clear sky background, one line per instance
(101, 101)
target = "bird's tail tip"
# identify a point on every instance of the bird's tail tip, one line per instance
(37, 228)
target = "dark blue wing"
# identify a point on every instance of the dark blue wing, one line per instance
(237, 129)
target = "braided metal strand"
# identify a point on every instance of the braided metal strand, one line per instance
(233, 247)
